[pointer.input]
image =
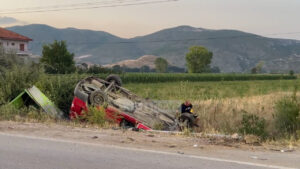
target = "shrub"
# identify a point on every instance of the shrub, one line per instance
(9, 112)
(59, 89)
(14, 80)
(95, 115)
(287, 116)
(253, 125)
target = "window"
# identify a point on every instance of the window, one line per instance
(22, 47)
(12, 44)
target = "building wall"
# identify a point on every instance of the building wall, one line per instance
(13, 46)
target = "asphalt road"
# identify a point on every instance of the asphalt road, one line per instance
(18, 152)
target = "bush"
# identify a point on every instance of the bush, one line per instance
(95, 116)
(59, 89)
(287, 116)
(15, 79)
(9, 112)
(252, 124)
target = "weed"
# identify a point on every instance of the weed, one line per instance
(95, 115)
(287, 116)
(158, 126)
(253, 125)
(38, 115)
(9, 112)
(187, 131)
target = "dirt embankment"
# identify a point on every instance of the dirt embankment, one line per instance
(181, 142)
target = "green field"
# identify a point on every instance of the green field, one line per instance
(177, 77)
(182, 86)
(181, 77)
(210, 90)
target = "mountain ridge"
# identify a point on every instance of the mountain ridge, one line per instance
(234, 50)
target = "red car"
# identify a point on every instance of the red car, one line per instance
(123, 106)
(79, 107)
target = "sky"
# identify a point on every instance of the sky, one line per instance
(271, 18)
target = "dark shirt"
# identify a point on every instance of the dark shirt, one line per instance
(186, 109)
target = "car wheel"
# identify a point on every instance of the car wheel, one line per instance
(114, 78)
(81, 94)
(98, 98)
(186, 120)
(126, 124)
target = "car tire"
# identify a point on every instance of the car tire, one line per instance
(124, 124)
(187, 120)
(114, 78)
(98, 98)
(81, 94)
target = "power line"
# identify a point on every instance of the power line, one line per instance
(91, 7)
(68, 5)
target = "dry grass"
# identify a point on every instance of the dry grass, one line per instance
(224, 115)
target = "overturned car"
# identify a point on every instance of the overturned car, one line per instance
(123, 106)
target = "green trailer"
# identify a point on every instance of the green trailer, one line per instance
(33, 96)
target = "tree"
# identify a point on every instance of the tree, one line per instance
(117, 68)
(254, 70)
(198, 59)
(145, 68)
(161, 65)
(57, 59)
(258, 68)
(215, 69)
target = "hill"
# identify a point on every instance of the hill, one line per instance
(234, 51)
(146, 60)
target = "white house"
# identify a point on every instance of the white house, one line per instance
(13, 42)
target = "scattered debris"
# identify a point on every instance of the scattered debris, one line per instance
(179, 152)
(115, 128)
(195, 145)
(287, 151)
(133, 129)
(172, 146)
(235, 136)
(283, 150)
(94, 137)
(258, 158)
(150, 135)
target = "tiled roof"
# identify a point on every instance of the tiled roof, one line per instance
(9, 35)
